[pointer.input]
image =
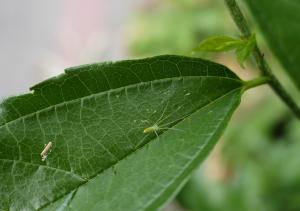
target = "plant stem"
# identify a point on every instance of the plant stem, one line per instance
(241, 22)
(256, 82)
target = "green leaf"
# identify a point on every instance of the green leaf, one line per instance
(95, 116)
(219, 44)
(243, 47)
(279, 22)
(244, 51)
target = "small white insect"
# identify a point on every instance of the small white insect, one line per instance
(46, 151)
(156, 126)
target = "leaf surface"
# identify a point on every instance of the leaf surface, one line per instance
(95, 116)
(279, 21)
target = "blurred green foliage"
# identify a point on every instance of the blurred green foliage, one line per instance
(176, 26)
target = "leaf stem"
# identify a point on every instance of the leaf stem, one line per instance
(242, 24)
(256, 82)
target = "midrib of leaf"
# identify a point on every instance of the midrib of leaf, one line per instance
(181, 174)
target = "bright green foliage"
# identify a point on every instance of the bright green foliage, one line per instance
(242, 47)
(176, 26)
(219, 44)
(95, 116)
(244, 51)
(279, 22)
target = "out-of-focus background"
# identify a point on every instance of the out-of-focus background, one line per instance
(256, 163)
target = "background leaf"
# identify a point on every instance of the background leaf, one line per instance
(279, 22)
(95, 116)
(244, 51)
(219, 44)
(242, 47)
